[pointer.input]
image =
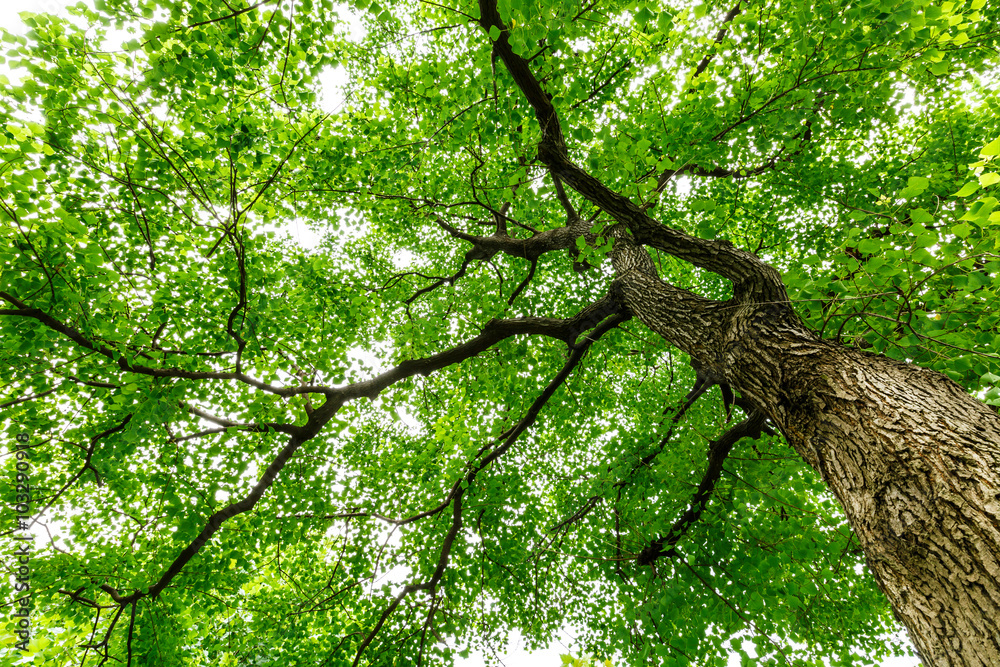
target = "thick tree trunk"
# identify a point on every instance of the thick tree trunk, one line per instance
(915, 463)
(913, 459)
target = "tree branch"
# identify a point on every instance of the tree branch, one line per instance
(718, 450)
(719, 36)
(568, 330)
(122, 361)
(720, 257)
(288, 429)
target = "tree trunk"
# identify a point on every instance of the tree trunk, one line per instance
(913, 459)
(915, 463)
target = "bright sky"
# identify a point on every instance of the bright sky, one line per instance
(516, 656)
(9, 10)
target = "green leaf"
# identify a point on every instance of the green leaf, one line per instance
(991, 149)
(869, 246)
(989, 178)
(980, 210)
(967, 189)
(961, 230)
(939, 68)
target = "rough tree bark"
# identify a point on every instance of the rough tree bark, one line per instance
(915, 463)
(913, 459)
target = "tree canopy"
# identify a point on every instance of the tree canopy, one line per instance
(438, 424)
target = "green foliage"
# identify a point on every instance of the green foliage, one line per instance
(918, 285)
(157, 159)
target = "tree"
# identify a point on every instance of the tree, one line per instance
(549, 232)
